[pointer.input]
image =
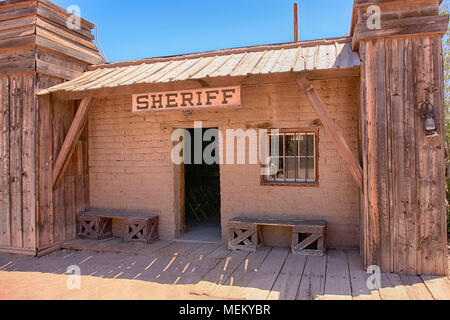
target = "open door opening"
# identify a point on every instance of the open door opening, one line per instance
(202, 203)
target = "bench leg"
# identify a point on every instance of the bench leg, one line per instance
(93, 227)
(141, 230)
(244, 237)
(314, 238)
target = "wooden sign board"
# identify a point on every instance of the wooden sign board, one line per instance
(187, 99)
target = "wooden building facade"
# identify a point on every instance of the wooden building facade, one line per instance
(37, 51)
(72, 140)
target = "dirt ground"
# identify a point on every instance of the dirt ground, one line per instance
(27, 278)
(41, 286)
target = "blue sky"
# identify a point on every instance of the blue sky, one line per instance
(135, 29)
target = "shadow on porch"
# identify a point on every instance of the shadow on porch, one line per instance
(210, 271)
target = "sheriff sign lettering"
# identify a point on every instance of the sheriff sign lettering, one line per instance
(187, 99)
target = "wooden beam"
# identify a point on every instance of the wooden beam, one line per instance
(333, 131)
(295, 22)
(70, 141)
(437, 24)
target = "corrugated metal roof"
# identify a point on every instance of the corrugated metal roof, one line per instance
(301, 56)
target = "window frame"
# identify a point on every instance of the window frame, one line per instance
(315, 184)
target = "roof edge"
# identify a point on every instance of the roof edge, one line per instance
(287, 45)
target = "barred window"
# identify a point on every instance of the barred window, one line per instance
(296, 158)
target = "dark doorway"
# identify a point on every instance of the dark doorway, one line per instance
(202, 189)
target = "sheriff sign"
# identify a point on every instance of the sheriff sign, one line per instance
(187, 99)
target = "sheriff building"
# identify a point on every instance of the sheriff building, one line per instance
(87, 146)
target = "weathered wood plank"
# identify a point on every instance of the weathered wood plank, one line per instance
(358, 278)
(431, 219)
(415, 287)
(5, 214)
(220, 253)
(439, 287)
(52, 45)
(204, 250)
(58, 65)
(29, 163)
(26, 41)
(17, 32)
(18, 10)
(392, 287)
(17, 62)
(288, 283)
(66, 33)
(402, 27)
(194, 269)
(15, 156)
(178, 249)
(381, 158)
(69, 180)
(45, 217)
(312, 285)
(387, 290)
(236, 286)
(60, 18)
(220, 274)
(70, 224)
(17, 22)
(263, 281)
(80, 192)
(337, 284)
(59, 111)
(153, 247)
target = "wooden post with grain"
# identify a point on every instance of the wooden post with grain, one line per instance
(38, 51)
(404, 223)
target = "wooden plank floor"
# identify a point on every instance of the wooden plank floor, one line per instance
(213, 272)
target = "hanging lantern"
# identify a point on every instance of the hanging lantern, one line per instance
(430, 122)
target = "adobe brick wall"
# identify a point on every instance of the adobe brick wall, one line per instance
(131, 168)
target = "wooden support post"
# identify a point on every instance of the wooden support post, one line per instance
(333, 131)
(295, 22)
(70, 142)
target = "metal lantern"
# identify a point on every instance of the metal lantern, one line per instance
(430, 122)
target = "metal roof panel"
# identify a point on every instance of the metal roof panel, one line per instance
(296, 57)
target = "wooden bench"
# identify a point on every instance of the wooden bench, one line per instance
(308, 236)
(138, 226)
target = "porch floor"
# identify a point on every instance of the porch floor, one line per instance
(112, 269)
(204, 232)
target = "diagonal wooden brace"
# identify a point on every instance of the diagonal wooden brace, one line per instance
(307, 242)
(243, 237)
(333, 131)
(70, 142)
